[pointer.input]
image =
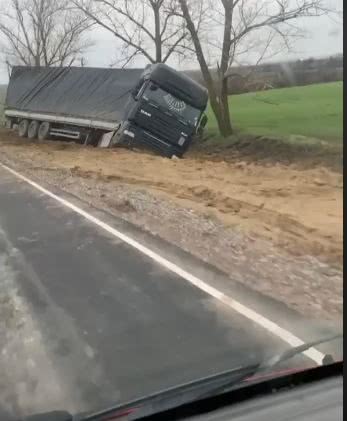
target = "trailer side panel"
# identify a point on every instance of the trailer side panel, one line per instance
(89, 93)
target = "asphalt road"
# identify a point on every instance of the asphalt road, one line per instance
(87, 321)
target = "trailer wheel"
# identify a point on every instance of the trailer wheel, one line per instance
(44, 130)
(33, 129)
(91, 138)
(23, 128)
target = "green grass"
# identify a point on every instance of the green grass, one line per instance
(312, 111)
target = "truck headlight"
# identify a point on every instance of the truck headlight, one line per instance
(181, 140)
(129, 133)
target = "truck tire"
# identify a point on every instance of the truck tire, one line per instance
(33, 129)
(92, 138)
(44, 130)
(23, 128)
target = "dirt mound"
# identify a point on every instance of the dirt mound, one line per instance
(296, 208)
(295, 150)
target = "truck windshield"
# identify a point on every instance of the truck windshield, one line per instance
(175, 105)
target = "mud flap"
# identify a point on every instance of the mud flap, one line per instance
(105, 140)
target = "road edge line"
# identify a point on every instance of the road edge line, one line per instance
(286, 336)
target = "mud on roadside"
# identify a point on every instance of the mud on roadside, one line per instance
(297, 151)
(261, 224)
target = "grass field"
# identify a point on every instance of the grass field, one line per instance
(312, 111)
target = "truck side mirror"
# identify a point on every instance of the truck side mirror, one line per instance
(136, 89)
(134, 92)
(203, 121)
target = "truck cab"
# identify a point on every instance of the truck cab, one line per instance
(165, 111)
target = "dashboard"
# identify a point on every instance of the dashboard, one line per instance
(317, 402)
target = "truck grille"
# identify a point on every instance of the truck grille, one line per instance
(159, 124)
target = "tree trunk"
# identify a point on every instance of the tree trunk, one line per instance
(223, 121)
(225, 108)
(37, 61)
(158, 43)
(224, 63)
(218, 94)
(220, 106)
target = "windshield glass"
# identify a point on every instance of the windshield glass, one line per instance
(169, 102)
(148, 242)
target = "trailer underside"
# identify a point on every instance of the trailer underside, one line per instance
(43, 126)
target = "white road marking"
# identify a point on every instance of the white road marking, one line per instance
(286, 336)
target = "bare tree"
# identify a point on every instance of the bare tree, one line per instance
(147, 28)
(42, 32)
(241, 28)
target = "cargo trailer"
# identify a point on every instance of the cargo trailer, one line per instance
(157, 106)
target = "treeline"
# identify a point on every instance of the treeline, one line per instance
(284, 74)
(58, 33)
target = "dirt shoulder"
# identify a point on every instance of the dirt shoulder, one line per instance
(296, 151)
(275, 222)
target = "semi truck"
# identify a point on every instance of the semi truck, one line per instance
(157, 106)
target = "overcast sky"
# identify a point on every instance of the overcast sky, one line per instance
(324, 38)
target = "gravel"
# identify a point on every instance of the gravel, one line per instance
(304, 283)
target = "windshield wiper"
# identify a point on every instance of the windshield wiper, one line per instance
(178, 395)
(159, 107)
(277, 359)
(166, 111)
(292, 352)
(204, 387)
(153, 104)
(212, 385)
(181, 120)
(164, 400)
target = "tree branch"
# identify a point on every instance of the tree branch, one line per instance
(43, 32)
